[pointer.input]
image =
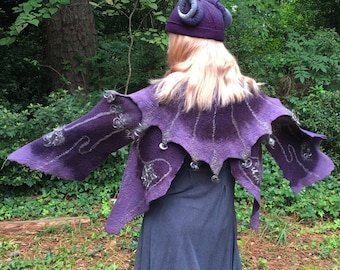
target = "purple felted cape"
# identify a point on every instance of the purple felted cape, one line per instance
(163, 136)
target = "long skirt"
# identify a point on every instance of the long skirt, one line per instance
(192, 227)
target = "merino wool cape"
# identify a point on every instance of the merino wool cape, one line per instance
(163, 135)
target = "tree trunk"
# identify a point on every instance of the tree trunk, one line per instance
(70, 40)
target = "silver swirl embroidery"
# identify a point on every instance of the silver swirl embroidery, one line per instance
(137, 133)
(54, 138)
(148, 175)
(306, 151)
(116, 108)
(252, 165)
(119, 122)
(247, 163)
(256, 174)
(291, 154)
(110, 96)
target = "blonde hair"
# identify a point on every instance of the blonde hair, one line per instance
(202, 71)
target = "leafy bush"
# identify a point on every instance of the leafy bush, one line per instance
(110, 65)
(306, 60)
(320, 200)
(20, 81)
(254, 34)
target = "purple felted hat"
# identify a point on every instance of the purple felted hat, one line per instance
(199, 18)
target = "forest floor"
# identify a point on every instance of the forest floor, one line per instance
(291, 245)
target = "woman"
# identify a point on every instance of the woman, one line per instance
(194, 225)
(194, 132)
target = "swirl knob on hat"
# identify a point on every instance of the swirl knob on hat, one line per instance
(199, 18)
(195, 14)
(227, 18)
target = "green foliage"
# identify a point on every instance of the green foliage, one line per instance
(307, 60)
(293, 16)
(253, 34)
(154, 36)
(55, 197)
(20, 81)
(118, 16)
(275, 189)
(304, 15)
(320, 200)
(134, 21)
(110, 64)
(328, 245)
(132, 231)
(31, 12)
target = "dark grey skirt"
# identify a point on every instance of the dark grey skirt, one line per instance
(192, 227)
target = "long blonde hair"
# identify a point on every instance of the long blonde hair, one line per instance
(202, 71)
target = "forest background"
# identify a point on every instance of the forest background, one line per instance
(57, 57)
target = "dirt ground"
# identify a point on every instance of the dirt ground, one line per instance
(300, 252)
(300, 249)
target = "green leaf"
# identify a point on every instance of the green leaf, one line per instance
(152, 5)
(52, 10)
(27, 8)
(36, 3)
(35, 22)
(21, 27)
(7, 41)
(46, 16)
(323, 68)
(161, 18)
